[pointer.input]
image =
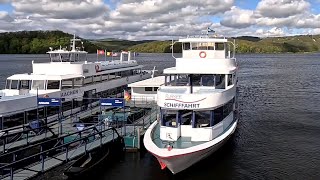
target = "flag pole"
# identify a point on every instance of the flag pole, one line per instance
(97, 54)
(105, 55)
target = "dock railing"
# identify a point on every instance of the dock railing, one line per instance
(16, 164)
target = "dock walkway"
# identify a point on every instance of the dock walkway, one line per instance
(57, 160)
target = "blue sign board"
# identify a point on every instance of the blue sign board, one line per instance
(114, 102)
(49, 101)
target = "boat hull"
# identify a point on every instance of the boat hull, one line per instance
(183, 161)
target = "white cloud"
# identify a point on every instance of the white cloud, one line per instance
(282, 8)
(159, 19)
(275, 32)
(4, 1)
(58, 9)
(4, 16)
(238, 18)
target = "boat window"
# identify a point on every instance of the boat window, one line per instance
(194, 46)
(219, 46)
(186, 46)
(97, 78)
(228, 108)
(14, 84)
(196, 79)
(220, 81)
(202, 46)
(230, 77)
(186, 117)
(66, 83)
(223, 111)
(78, 82)
(148, 88)
(210, 46)
(8, 84)
(208, 80)
(202, 119)
(82, 57)
(88, 80)
(182, 80)
(218, 115)
(55, 57)
(168, 118)
(53, 84)
(105, 77)
(38, 84)
(112, 75)
(65, 57)
(155, 88)
(118, 74)
(24, 84)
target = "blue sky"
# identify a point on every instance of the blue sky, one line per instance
(162, 19)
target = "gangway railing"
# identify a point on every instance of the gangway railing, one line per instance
(63, 148)
(57, 140)
(8, 139)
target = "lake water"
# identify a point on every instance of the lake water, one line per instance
(278, 135)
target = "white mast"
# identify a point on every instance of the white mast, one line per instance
(74, 42)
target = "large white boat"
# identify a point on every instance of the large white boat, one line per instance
(70, 76)
(197, 104)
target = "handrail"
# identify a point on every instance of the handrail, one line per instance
(10, 165)
(34, 145)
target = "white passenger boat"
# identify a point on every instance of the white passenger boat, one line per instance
(197, 104)
(68, 75)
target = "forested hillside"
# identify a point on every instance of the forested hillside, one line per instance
(34, 42)
(290, 44)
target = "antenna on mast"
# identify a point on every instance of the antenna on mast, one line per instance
(73, 41)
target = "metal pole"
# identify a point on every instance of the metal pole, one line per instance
(1, 122)
(11, 173)
(67, 151)
(37, 105)
(124, 119)
(42, 159)
(60, 119)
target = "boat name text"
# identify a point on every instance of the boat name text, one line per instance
(182, 105)
(173, 96)
(69, 93)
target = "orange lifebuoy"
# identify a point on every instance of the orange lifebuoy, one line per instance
(97, 68)
(203, 54)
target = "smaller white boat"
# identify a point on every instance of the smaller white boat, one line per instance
(197, 104)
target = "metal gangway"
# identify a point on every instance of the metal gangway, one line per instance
(27, 162)
(24, 135)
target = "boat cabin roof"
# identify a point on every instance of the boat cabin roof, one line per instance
(42, 77)
(151, 82)
(61, 51)
(190, 40)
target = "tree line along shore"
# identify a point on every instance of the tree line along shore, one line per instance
(38, 42)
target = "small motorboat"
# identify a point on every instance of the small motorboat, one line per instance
(86, 162)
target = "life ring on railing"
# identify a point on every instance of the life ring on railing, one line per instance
(203, 54)
(97, 68)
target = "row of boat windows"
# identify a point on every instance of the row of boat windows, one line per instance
(215, 80)
(68, 57)
(198, 119)
(31, 115)
(203, 46)
(67, 83)
(150, 89)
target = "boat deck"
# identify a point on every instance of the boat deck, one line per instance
(181, 143)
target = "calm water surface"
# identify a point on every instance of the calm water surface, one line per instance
(278, 136)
